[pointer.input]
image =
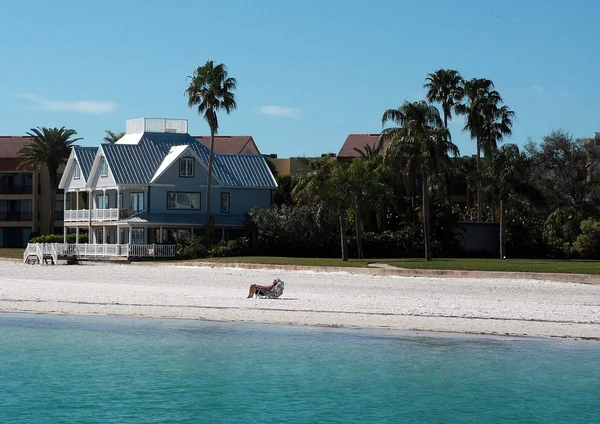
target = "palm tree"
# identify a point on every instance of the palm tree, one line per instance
(112, 137)
(507, 176)
(326, 184)
(422, 140)
(445, 86)
(211, 90)
(487, 122)
(50, 148)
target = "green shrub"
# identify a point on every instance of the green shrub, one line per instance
(191, 248)
(588, 242)
(238, 247)
(55, 238)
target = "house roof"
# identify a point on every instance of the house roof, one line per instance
(358, 141)
(10, 145)
(138, 163)
(229, 144)
(85, 158)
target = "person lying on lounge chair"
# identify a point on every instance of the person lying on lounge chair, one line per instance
(255, 287)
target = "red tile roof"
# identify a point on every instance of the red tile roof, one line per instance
(231, 144)
(358, 141)
(10, 145)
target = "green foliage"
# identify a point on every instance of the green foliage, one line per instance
(56, 238)
(238, 247)
(301, 231)
(561, 229)
(588, 242)
(404, 243)
(191, 248)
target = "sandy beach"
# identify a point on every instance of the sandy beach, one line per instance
(516, 307)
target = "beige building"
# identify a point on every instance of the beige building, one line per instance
(24, 197)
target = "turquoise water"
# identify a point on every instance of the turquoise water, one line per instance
(62, 369)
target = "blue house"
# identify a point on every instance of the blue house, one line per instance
(150, 188)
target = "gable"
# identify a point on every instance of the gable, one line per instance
(359, 141)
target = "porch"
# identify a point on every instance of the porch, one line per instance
(50, 253)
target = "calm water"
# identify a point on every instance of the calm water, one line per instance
(57, 369)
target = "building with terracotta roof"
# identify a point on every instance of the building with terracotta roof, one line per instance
(24, 197)
(231, 144)
(356, 143)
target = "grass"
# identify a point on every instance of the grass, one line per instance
(466, 264)
(11, 253)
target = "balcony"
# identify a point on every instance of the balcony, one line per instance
(97, 215)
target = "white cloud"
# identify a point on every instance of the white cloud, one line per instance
(80, 106)
(286, 112)
(538, 89)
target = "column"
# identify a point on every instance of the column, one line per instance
(77, 234)
(104, 234)
(64, 213)
(91, 205)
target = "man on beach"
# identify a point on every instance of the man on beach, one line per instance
(255, 287)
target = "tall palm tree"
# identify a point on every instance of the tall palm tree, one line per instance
(50, 148)
(422, 140)
(112, 137)
(445, 86)
(507, 175)
(211, 90)
(486, 120)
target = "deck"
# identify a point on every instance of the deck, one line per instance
(50, 253)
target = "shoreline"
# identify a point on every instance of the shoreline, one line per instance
(343, 299)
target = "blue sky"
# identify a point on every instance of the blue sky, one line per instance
(309, 72)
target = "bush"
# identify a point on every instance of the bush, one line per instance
(191, 248)
(55, 238)
(588, 242)
(238, 247)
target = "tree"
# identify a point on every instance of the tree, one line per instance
(422, 140)
(112, 137)
(211, 90)
(565, 170)
(50, 148)
(326, 184)
(487, 121)
(445, 86)
(507, 175)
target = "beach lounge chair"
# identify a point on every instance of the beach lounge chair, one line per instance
(274, 293)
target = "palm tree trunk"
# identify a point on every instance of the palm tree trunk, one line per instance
(502, 230)
(426, 222)
(208, 186)
(343, 236)
(357, 229)
(479, 199)
(53, 174)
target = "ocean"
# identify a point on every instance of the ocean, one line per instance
(72, 369)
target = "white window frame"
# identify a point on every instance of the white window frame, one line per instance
(103, 167)
(136, 201)
(186, 167)
(76, 171)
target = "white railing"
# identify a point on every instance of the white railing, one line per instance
(159, 125)
(83, 215)
(98, 250)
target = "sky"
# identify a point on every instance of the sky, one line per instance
(309, 72)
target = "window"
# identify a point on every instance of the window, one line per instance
(16, 183)
(120, 205)
(76, 171)
(137, 202)
(186, 167)
(103, 167)
(224, 202)
(59, 213)
(99, 236)
(176, 200)
(16, 210)
(102, 201)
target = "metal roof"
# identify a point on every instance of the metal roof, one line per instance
(85, 158)
(138, 163)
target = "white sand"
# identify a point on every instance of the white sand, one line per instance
(462, 305)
